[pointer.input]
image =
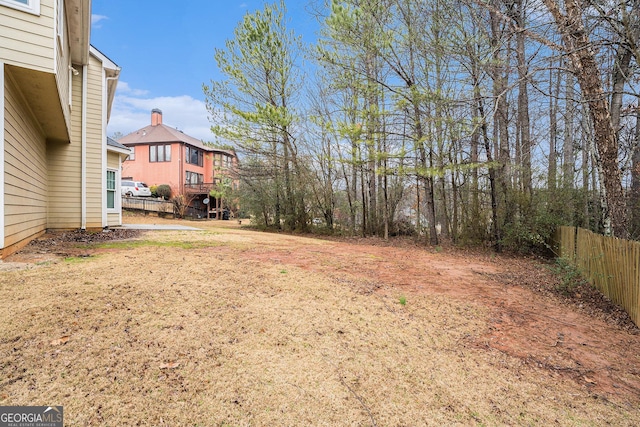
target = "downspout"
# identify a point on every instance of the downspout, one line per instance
(105, 105)
(83, 214)
(2, 86)
(181, 179)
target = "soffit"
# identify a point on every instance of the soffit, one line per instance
(79, 27)
(40, 91)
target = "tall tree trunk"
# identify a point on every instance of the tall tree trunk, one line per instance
(553, 133)
(568, 151)
(426, 177)
(586, 155)
(495, 227)
(523, 102)
(620, 76)
(479, 112)
(583, 58)
(453, 160)
(372, 135)
(364, 202)
(634, 199)
(501, 119)
(475, 186)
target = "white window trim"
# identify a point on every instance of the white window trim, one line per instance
(117, 200)
(32, 6)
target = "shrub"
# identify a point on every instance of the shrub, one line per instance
(154, 190)
(569, 277)
(164, 191)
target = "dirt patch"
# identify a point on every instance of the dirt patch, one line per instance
(53, 246)
(229, 327)
(583, 336)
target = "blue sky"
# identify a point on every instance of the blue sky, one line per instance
(165, 49)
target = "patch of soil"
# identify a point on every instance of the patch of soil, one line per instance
(580, 335)
(55, 245)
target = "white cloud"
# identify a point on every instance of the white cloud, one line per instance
(123, 87)
(132, 111)
(95, 20)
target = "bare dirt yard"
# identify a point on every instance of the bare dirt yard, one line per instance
(228, 326)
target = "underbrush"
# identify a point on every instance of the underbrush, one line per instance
(569, 278)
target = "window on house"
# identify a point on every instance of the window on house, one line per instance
(217, 160)
(194, 178)
(132, 156)
(227, 162)
(60, 29)
(160, 153)
(111, 189)
(194, 156)
(31, 6)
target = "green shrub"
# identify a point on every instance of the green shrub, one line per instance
(568, 275)
(154, 190)
(164, 191)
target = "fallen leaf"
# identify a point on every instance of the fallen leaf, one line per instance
(589, 380)
(60, 341)
(169, 365)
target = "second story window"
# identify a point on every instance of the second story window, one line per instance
(194, 178)
(160, 153)
(194, 156)
(227, 162)
(31, 6)
(132, 156)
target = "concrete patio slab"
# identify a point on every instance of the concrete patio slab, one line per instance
(157, 227)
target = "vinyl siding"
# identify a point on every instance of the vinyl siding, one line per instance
(65, 169)
(27, 40)
(95, 135)
(113, 162)
(25, 173)
(113, 219)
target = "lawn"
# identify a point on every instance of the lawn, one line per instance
(228, 326)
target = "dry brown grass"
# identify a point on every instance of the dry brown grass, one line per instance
(216, 327)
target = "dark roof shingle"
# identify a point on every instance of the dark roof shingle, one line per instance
(163, 133)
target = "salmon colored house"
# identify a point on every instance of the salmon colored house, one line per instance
(161, 154)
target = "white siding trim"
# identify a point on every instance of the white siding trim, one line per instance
(118, 190)
(117, 201)
(83, 173)
(103, 185)
(2, 86)
(56, 45)
(32, 7)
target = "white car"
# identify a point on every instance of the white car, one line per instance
(134, 188)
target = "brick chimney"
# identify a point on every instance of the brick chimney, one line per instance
(156, 117)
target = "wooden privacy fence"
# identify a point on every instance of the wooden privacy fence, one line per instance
(611, 264)
(148, 205)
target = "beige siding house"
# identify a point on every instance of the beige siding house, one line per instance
(57, 170)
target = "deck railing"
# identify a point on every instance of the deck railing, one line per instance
(202, 188)
(147, 204)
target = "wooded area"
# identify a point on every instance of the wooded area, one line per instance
(469, 120)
